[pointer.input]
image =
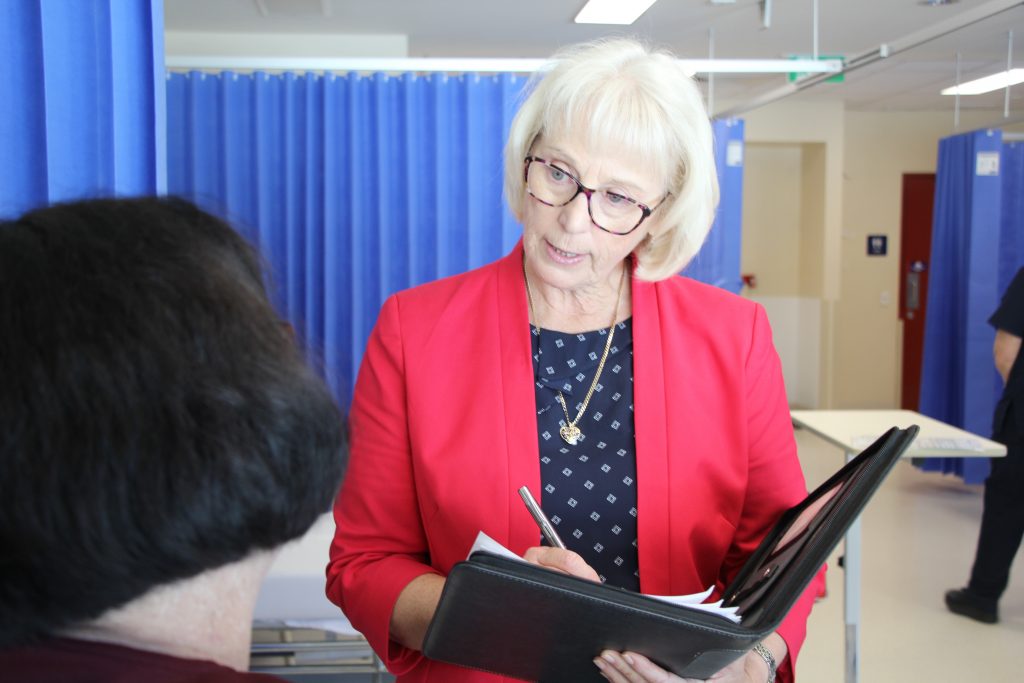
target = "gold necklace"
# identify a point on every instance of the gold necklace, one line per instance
(570, 431)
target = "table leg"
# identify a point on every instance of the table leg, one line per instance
(851, 596)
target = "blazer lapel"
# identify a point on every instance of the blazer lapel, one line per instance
(649, 401)
(519, 399)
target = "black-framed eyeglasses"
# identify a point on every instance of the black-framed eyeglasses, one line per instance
(610, 211)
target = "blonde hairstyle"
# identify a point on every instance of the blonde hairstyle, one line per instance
(620, 92)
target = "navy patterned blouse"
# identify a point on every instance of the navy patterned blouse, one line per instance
(589, 490)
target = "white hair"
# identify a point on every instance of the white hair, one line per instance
(617, 91)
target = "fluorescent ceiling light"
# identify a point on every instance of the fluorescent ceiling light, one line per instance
(612, 11)
(987, 84)
(483, 65)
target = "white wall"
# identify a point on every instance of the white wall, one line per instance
(792, 188)
(796, 325)
(777, 209)
(771, 217)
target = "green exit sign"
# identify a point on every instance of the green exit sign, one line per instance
(838, 78)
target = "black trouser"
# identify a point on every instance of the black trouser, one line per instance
(1002, 523)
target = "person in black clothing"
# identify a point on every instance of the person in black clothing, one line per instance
(1002, 522)
(160, 437)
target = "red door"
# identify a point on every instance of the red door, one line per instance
(915, 253)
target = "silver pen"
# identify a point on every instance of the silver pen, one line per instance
(546, 528)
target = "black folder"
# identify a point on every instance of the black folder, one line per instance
(524, 621)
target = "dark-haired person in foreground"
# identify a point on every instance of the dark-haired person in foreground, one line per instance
(160, 437)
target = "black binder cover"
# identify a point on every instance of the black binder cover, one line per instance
(524, 621)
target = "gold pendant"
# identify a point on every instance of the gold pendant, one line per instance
(571, 433)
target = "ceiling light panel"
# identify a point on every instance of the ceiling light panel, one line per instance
(612, 11)
(997, 81)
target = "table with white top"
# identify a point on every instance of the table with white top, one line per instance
(855, 430)
(297, 631)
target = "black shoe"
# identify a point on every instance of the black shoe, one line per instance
(965, 603)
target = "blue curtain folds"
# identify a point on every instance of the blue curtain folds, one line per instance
(1011, 226)
(81, 100)
(959, 384)
(355, 187)
(352, 187)
(718, 261)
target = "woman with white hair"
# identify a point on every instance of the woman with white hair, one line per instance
(647, 409)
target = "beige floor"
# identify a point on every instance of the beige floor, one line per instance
(919, 533)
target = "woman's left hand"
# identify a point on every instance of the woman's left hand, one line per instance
(629, 667)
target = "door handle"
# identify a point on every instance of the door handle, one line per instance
(912, 302)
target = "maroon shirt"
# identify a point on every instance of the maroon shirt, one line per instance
(63, 660)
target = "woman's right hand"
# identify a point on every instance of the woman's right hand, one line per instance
(561, 560)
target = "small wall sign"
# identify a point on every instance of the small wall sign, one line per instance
(878, 245)
(734, 153)
(986, 163)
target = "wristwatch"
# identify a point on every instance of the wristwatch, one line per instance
(768, 658)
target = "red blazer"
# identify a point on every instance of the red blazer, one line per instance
(444, 432)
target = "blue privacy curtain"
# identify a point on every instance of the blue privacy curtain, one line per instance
(718, 262)
(81, 100)
(354, 187)
(1011, 226)
(959, 383)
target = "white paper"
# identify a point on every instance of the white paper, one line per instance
(487, 544)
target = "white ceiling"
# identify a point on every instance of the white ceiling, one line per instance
(908, 81)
